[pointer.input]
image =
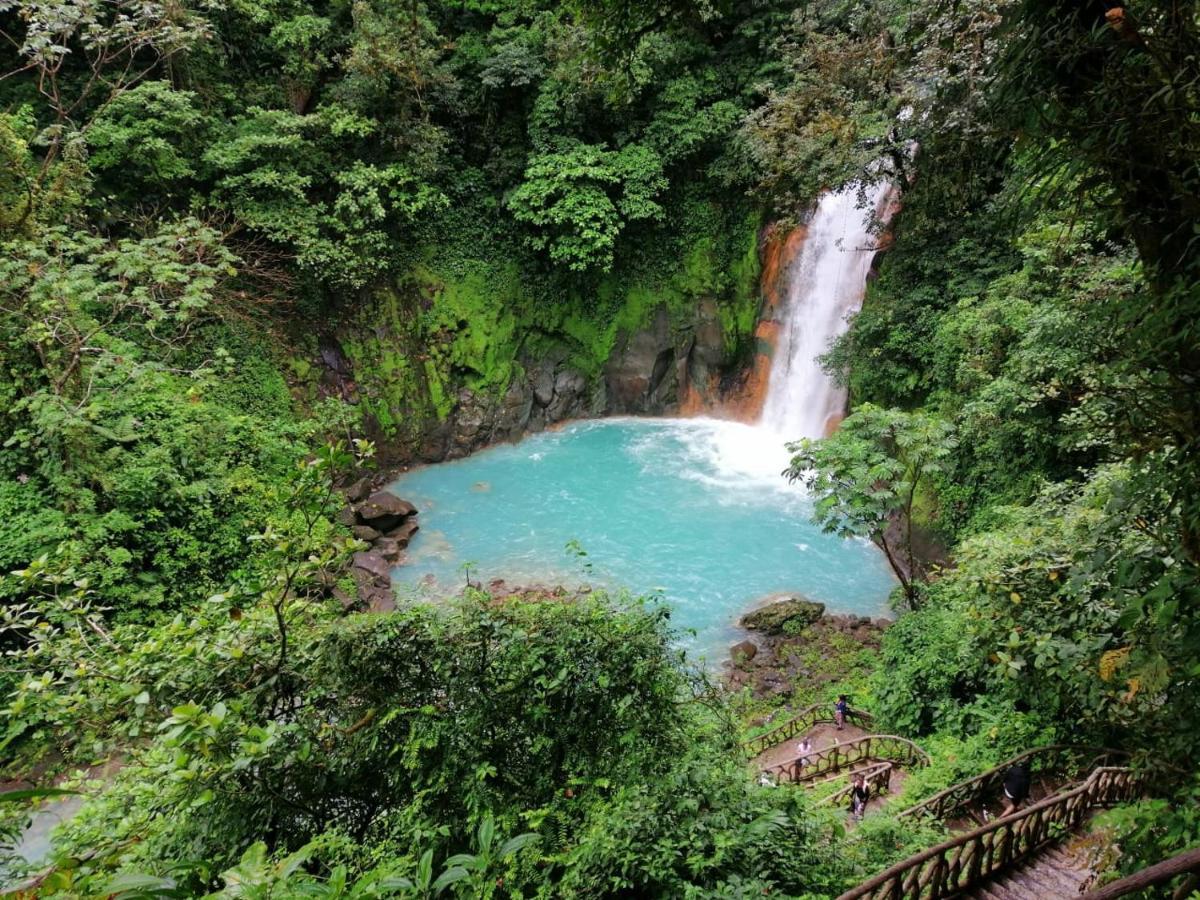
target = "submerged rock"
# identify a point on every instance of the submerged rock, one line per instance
(792, 614)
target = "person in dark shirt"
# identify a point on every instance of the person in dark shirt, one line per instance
(1016, 788)
(839, 711)
(859, 795)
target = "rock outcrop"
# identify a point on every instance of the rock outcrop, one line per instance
(786, 615)
(675, 361)
(387, 523)
(548, 392)
(383, 510)
(743, 652)
(635, 376)
(792, 660)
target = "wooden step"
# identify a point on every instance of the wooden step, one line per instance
(1048, 881)
(1053, 874)
(1067, 880)
(1005, 891)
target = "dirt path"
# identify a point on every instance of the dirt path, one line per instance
(822, 736)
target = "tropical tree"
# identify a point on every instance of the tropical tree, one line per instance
(579, 198)
(869, 477)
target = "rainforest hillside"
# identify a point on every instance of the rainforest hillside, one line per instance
(252, 253)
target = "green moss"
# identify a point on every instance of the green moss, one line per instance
(476, 316)
(465, 316)
(592, 342)
(382, 344)
(739, 315)
(443, 403)
(300, 368)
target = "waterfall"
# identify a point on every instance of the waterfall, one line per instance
(826, 282)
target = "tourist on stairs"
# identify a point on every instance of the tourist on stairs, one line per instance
(859, 795)
(1016, 788)
(803, 749)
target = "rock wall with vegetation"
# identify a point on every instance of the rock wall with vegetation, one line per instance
(463, 350)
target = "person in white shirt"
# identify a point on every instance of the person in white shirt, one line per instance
(803, 749)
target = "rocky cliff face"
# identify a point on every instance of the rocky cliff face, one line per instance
(442, 367)
(650, 372)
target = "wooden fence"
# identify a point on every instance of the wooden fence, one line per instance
(878, 779)
(968, 859)
(841, 756)
(957, 799)
(1186, 864)
(802, 722)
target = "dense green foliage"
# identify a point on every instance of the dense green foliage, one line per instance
(195, 196)
(570, 720)
(1040, 301)
(869, 478)
(1032, 308)
(188, 195)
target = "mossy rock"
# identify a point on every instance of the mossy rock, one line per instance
(784, 616)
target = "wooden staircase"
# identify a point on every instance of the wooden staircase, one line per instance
(983, 859)
(1018, 857)
(970, 799)
(845, 756)
(1055, 872)
(801, 723)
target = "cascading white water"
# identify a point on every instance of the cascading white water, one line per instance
(826, 283)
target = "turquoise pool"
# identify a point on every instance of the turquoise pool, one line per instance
(691, 510)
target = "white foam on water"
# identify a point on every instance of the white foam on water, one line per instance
(827, 282)
(734, 459)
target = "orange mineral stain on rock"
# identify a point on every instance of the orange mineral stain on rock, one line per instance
(741, 397)
(780, 249)
(743, 402)
(694, 402)
(832, 423)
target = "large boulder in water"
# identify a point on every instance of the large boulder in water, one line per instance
(384, 510)
(789, 615)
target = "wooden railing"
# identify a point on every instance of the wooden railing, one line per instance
(969, 858)
(878, 778)
(957, 799)
(802, 722)
(1186, 863)
(840, 756)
